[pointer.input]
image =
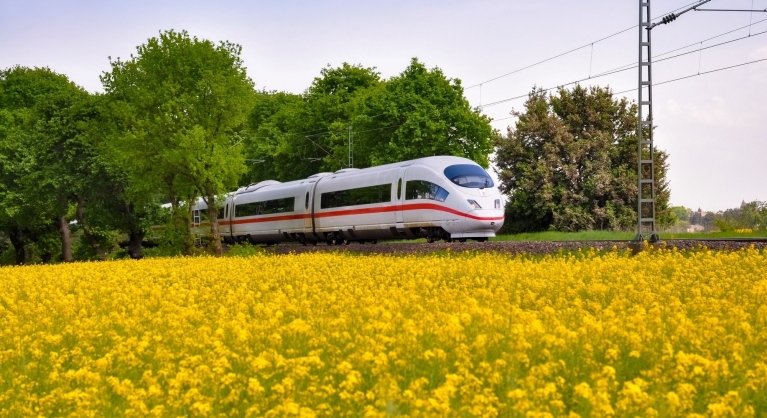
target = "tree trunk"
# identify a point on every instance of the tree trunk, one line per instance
(88, 236)
(66, 241)
(213, 216)
(134, 244)
(17, 240)
(135, 233)
(188, 237)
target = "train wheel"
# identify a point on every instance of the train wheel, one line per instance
(461, 239)
(481, 239)
(429, 239)
(375, 241)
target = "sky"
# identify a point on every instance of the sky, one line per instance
(712, 125)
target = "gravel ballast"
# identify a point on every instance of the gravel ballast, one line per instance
(513, 247)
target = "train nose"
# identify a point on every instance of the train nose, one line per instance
(485, 219)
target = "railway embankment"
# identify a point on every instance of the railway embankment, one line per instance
(514, 247)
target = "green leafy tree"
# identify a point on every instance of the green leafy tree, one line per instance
(419, 113)
(569, 164)
(183, 102)
(680, 213)
(751, 215)
(293, 136)
(44, 157)
(416, 114)
(104, 207)
(274, 145)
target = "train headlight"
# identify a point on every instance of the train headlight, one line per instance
(474, 204)
(497, 203)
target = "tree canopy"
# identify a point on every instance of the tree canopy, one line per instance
(418, 113)
(45, 164)
(182, 101)
(569, 163)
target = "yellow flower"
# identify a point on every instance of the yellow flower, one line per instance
(591, 334)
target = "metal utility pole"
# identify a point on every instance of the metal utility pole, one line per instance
(646, 225)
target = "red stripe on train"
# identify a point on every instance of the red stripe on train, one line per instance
(365, 211)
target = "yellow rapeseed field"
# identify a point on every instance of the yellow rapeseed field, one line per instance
(658, 334)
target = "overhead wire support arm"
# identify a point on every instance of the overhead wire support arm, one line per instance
(672, 16)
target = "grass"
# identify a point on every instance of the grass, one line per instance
(606, 236)
(618, 235)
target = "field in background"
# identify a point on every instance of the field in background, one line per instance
(325, 334)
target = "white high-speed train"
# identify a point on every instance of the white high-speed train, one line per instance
(449, 198)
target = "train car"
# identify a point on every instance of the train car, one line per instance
(448, 198)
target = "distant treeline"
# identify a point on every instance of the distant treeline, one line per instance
(748, 217)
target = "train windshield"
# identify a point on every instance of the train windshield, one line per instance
(469, 175)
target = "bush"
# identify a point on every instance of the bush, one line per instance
(244, 250)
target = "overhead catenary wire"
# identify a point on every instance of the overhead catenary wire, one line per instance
(731, 10)
(749, 26)
(663, 82)
(571, 51)
(654, 84)
(695, 75)
(620, 69)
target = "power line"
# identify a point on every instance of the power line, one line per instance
(570, 51)
(655, 84)
(729, 10)
(621, 69)
(695, 75)
(708, 47)
(699, 42)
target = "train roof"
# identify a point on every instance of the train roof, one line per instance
(436, 162)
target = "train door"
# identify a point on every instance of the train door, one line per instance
(308, 207)
(228, 211)
(400, 196)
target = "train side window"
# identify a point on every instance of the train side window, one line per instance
(420, 189)
(353, 197)
(220, 213)
(246, 209)
(399, 189)
(306, 201)
(266, 207)
(226, 212)
(283, 205)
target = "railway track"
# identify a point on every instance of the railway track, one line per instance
(515, 247)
